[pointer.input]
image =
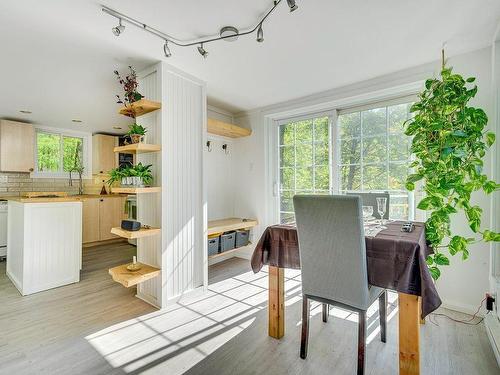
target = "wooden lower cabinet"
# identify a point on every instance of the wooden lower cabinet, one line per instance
(90, 220)
(99, 216)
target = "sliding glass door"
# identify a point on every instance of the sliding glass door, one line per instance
(358, 150)
(304, 161)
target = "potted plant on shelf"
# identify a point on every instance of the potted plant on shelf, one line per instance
(136, 133)
(143, 174)
(129, 84)
(449, 144)
(116, 174)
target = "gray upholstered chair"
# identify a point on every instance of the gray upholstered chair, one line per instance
(333, 262)
(370, 199)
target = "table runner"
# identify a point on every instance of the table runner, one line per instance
(395, 259)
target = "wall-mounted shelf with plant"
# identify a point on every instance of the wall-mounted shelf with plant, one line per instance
(134, 104)
(449, 144)
(136, 176)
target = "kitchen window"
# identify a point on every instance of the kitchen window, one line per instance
(58, 153)
(361, 149)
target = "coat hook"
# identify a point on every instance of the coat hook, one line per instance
(209, 146)
(225, 148)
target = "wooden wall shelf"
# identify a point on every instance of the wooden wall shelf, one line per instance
(227, 252)
(226, 130)
(135, 234)
(139, 108)
(137, 148)
(127, 278)
(224, 225)
(135, 190)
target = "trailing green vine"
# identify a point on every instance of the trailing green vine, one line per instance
(449, 144)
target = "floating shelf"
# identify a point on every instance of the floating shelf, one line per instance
(226, 130)
(139, 108)
(128, 278)
(135, 190)
(137, 148)
(227, 252)
(224, 225)
(143, 232)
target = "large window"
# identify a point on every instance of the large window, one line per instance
(370, 151)
(374, 154)
(57, 154)
(304, 149)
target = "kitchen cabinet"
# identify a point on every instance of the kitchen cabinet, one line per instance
(17, 151)
(110, 215)
(90, 220)
(103, 157)
(100, 214)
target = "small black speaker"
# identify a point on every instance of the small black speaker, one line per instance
(131, 225)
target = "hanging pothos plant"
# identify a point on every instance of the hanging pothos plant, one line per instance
(449, 143)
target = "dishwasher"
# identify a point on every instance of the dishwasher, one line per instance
(4, 206)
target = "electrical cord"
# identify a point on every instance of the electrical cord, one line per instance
(466, 321)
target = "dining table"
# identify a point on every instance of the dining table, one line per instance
(396, 260)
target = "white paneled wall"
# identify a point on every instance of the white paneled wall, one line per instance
(184, 262)
(219, 171)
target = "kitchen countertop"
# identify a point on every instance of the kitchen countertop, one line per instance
(69, 198)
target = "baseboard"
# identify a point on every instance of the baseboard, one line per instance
(105, 242)
(492, 324)
(148, 299)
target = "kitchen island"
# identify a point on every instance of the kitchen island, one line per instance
(44, 242)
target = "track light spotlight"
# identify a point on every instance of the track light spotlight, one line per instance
(202, 51)
(166, 50)
(260, 34)
(292, 5)
(118, 29)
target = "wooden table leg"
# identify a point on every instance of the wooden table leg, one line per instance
(422, 321)
(276, 304)
(409, 335)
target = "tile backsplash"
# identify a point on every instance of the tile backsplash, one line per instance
(16, 184)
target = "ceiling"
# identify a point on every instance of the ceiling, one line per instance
(58, 56)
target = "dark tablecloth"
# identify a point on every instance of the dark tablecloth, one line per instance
(395, 259)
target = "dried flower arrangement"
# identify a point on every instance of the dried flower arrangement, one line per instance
(130, 85)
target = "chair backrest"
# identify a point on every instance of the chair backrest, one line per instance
(370, 199)
(332, 248)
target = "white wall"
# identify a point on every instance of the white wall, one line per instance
(462, 285)
(219, 170)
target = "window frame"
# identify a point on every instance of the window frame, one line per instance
(86, 152)
(334, 154)
(277, 146)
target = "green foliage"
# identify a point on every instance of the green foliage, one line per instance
(139, 170)
(136, 129)
(449, 143)
(49, 153)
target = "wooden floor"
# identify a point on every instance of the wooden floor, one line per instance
(98, 327)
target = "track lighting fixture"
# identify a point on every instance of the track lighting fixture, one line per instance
(202, 51)
(118, 29)
(260, 34)
(292, 5)
(166, 50)
(227, 33)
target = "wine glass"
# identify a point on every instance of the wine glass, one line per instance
(381, 208)
(367, 212)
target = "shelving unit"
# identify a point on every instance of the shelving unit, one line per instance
(226, 130)
(139, 108)
(128, 278)
(135, 190)
(233, 223)
(137, 148)
(213, 256)
(143, 232)
(121, 274)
